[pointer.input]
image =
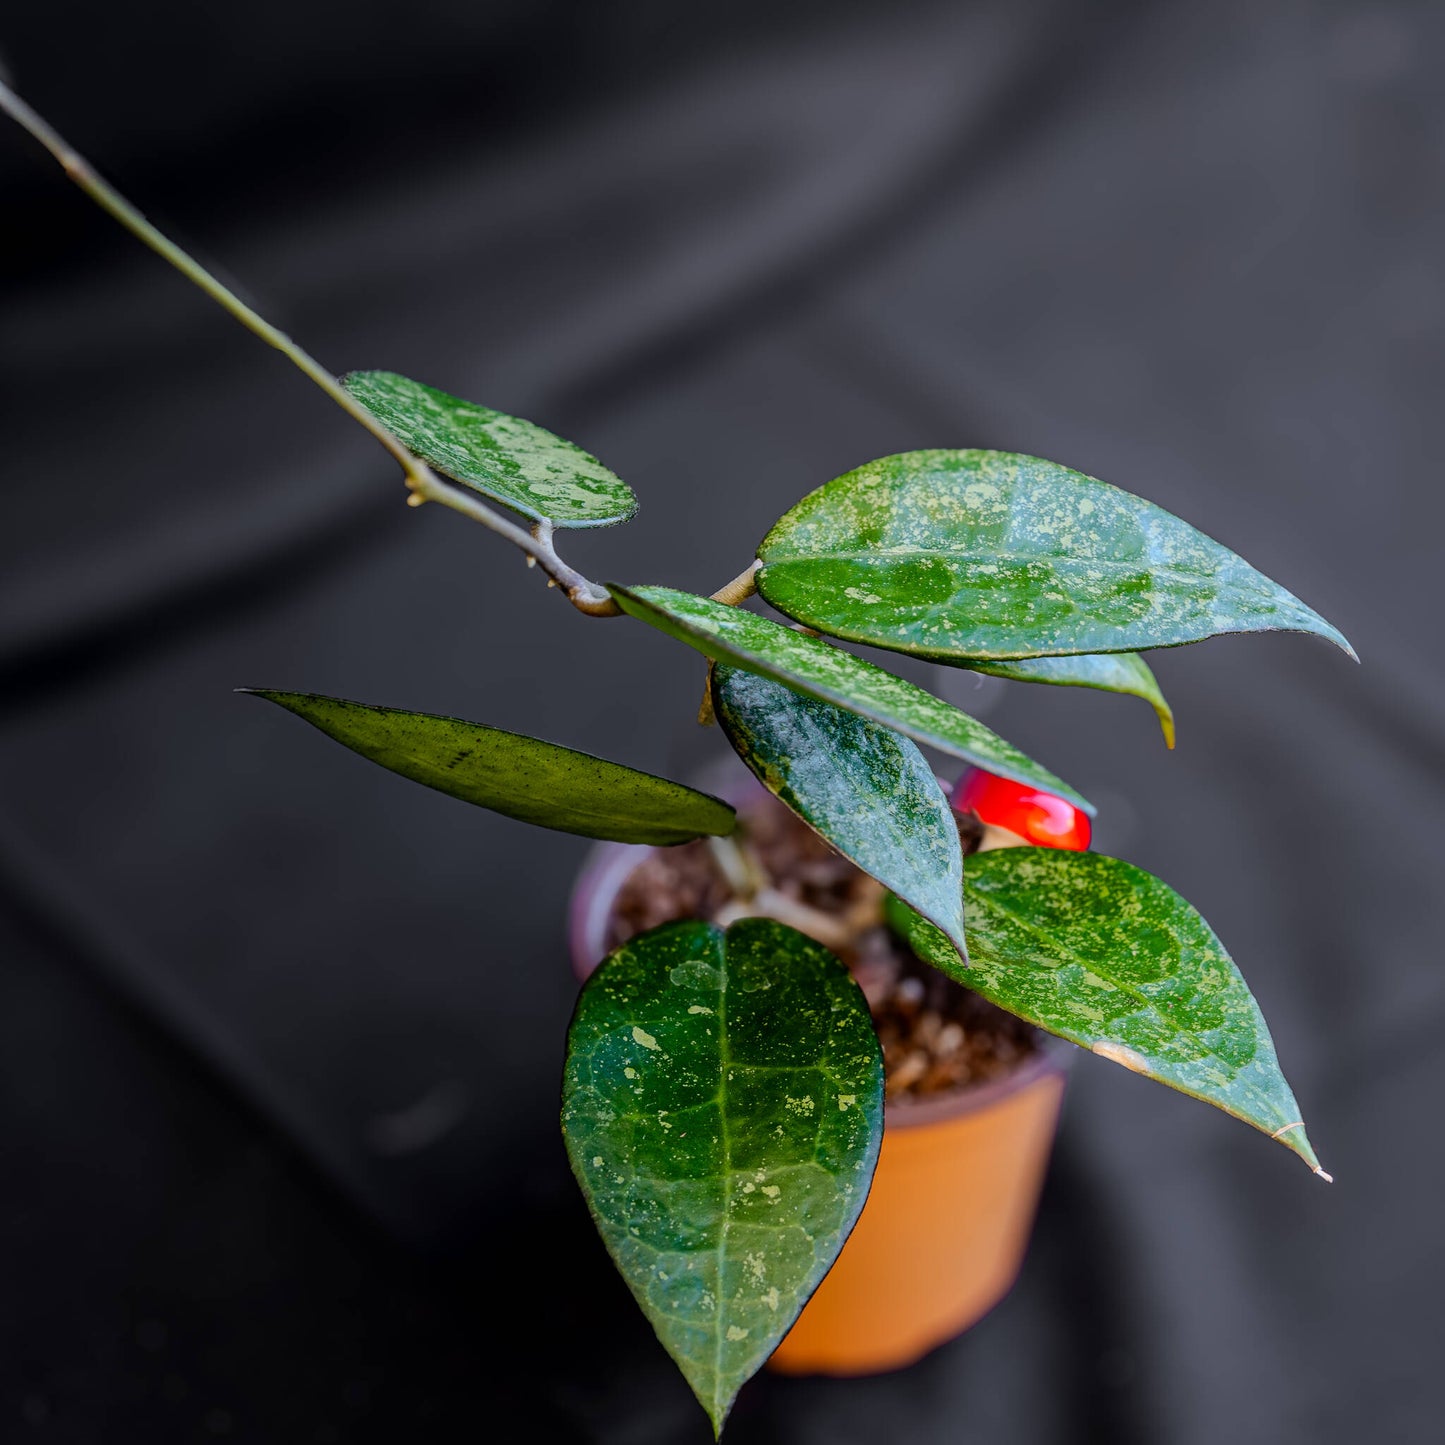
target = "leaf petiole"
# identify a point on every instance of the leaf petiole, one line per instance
(743, 586)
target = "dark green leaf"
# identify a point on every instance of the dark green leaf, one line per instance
(723, 1107)
(805, 664)
(989, 555)
(512, 461)
(1104, 954)
(869, 792)
(1109, 671)
(510, 773)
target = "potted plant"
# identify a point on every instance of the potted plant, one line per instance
(972, 1093)
(723, 1103)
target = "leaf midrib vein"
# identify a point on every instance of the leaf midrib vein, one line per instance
(1112, 564)
(1054, 947)
(725, 1056)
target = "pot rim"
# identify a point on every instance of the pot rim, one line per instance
(608, 866)
(1053, 1057)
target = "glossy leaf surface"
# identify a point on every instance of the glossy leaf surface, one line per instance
(866, 790)
(806, 664)
(990, 555)
(1124, 672)
(512, 461)
(723, 1108)
(1099, 952)
(523, 777)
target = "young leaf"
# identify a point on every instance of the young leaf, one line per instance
(866, 790)
(989, 555)
(805, 664)
(1104, 954)
(510, 773)
(512, 461)
(722, 1107)
(1109, 671)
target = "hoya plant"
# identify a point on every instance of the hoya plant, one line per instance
(722, 1104)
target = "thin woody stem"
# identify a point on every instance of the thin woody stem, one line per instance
(108, 199)
(587, 597)
(740, 588)
(744, 873)
(425, 485)
(829, 930)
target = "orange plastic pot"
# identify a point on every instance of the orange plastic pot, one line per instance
(943, 1234)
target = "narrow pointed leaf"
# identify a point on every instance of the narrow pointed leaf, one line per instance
(869, 792)
(991, 555)
(515, 462)
(722, 1108)
(1104, 954)
(808, 665)
(1124, 672)
(523, 777)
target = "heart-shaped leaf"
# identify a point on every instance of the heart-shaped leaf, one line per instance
(990, 555)
(511, 773)
(723, 1108)
(1105, 955)
(806, 664)
(869, 792)
(512, 461)
(1125, 672)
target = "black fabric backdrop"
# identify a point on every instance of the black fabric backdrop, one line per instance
(280, 1034)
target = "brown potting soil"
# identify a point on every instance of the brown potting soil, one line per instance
(936, 1034)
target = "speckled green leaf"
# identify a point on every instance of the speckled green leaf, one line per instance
(1125, 672)
(806, 664)
(512, 461)
(510, 773)
(869, 792)
(1102, 953)
(723, 1107)
(989, 555)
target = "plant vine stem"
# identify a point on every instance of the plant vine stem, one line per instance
(740, 588)
(424, 484)
(108, 199)
(743, 873)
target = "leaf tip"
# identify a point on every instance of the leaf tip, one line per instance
(717, 1414)
(1166, 726)
(1312, 622)
(960, 947)
(271, 694)
(1331, 633)
(1294, 1138)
